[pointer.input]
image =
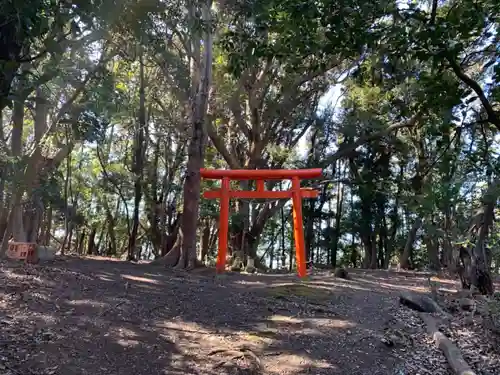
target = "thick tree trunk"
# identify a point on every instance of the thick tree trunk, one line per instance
(432, 246)
(479, 273)
(33, 219)
(404, 261)
(81, 241)
(70, 238)
(91, 246)
(202, 83)
(17, 149)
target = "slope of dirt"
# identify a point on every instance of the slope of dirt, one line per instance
(88, 316)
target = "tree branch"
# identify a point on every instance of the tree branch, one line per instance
(345, 150)
(234, 104)
(433, 11)
(221, 147)
(492, 115)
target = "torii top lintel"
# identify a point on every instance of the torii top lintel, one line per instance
(261, 174)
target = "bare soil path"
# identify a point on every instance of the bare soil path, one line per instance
(97, 316)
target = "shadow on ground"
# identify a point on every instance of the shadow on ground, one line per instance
(86, 316)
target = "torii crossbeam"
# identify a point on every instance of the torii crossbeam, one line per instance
(296, 193)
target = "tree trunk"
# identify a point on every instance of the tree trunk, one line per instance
(338, 217)
(271, 248)
(67, 216)
(91, 246)
(309, 235)
(46, 231)
(479, 273)
(33, 219)
(374, 256)
(17, 150)
(110, 220)
(70, 237)
(432, 246)
(192, 183)
(404, 261)
(138, 163)
(155, 206)
(81, 241)
(205, 238)
(283, 249)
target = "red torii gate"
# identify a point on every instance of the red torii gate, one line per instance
(260, 175)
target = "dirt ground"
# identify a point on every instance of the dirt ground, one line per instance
(97, 316)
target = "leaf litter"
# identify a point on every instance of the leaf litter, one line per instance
(103, 317)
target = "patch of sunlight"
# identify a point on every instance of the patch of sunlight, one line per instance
(284, 318)
(124, 336)
(250, 283)
(341, 323)
(141, 279)
(448, 290)
(297, 364)
(152, 274)
(86, 302)
(443, 281)
(349, 284)
(186, 328)
(127, 343)
(299, 290)
(396, 286)
(253, 337)
(104, 277)
(98, 257)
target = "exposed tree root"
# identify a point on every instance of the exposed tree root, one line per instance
(449, 349)
(239, 353)
(172, 258)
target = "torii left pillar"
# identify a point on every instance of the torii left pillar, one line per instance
(296, 193)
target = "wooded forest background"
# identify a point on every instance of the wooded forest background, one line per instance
(110, 107)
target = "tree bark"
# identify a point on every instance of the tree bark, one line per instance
(432, 246)
(138, 163)
(192, 183)
(205, 241)
(91, 245)
(404, 261)
(479, 273)
(338, 217)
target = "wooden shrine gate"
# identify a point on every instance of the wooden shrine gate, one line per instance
(260, 175)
